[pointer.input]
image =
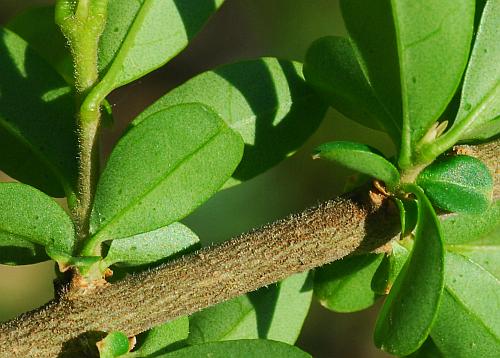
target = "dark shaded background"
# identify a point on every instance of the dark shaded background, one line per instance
(242, 29)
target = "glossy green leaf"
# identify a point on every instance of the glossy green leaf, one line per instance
(162, 338)
(411, 307)
(248, 348)
(276, 312)
(458, 183)
(479, 112)
(264, 100)
(37, 135)
(37, 26)
(30, 217)
(468, 324)
(433, 38)
(403, 45)
(389, 269)
(334, 69)
(361, 158)
(141, 36)
(113, 345)
(151, 246)
(162, 169)
(345, 285)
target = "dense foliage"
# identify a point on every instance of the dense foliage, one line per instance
(424, 72)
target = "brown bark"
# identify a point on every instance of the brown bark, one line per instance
(351, 224)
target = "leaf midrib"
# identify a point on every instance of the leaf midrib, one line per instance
(117, 61)
(453, 183)
(158, 182)
(469, 311)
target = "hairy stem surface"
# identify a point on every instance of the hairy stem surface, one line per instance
(351, 224)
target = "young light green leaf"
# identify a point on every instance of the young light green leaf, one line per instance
(333, 68)
(433, 38)
(140, 36)
(479, 113)
(162, 169)
(37, 132)
(161, 338)
(361, 158)
(264, 100)
(257, 348)
(411, 307)
(36, 25)
(151, 246)
(458, 183)
(31, 218)
(276, 312)
(114, 345)
(468, 324)
(389, 269)
(344, 285)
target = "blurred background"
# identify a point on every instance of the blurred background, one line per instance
(242, 29)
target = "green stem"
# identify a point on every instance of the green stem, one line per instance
(82, 23)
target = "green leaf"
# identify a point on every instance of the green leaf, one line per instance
(458, 183)
(468, 324)
(31, 218)
(465, 326)
(276, 312)
(371, 28)
(411, 307)
(37, 26)
(389, 269)
(162, 169)
(361, 158)
(479, 112)
(476, 237)
(264, 100)
(433, 38)
(113, 345)
(334, 69)
(37, 131)
(151, 246)
(467, 229)
(408, 214)
(141, 36)
(161, 338)
(428, 350)
(404, 44)
(248, 348)
(344, 285)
